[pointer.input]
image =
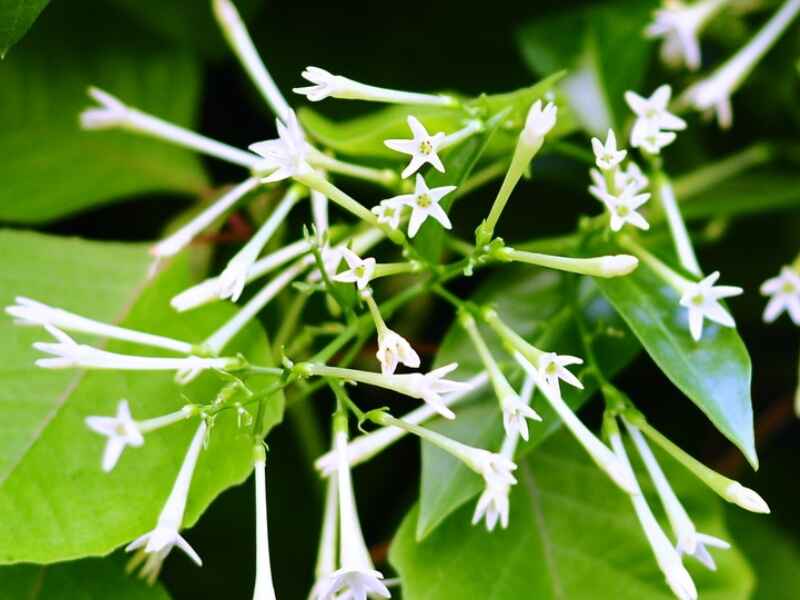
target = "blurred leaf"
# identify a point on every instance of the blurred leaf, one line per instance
(460, 162)
(534, 306)
(16, 17)
(605, 51)
(364, 136)
(64, 506)
(572, 534)
(51, 168)
(772, 553)
(714, 372)
(88, 579)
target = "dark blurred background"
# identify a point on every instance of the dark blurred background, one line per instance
(470, 48)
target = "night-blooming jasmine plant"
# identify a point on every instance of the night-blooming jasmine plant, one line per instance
(655, 124)
(784, 295)
(424, 203)
(121, 431)
(606, 155)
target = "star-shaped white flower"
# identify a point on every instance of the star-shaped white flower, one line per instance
(651, 139)
(120, 430)
(424, 203)
(352, 585)
(678, 24)
(388, 211)
(698, 548)
(325, 84)
(495, 468)
(430, 386)
(623, 209)
(784, 292)
(393, 348)
(111, 112)
(606, 155)
(629, 177)
(652, 111)
(538, 123)
(422, 147)
(702, 301)
(552, 367)
(360, 271)
(515, 415)
(288, 154)
(492, 506)
(158, 544)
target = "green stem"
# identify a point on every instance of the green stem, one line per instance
(662, 270)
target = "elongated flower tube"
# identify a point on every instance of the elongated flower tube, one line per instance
(493, 504)
(689, 540)
(427, 387)
(701, 298)
(537, 125)
(662, 189)
(714, 92)
(726, 488)
(177, 241)
(234, 277)
(365, 447)
(668, 559)
(159, 542)
(327, 85)
(616, 265)
(356, 578)
(264, 588)
(122, 430)
(326, 552)
(112, 113)
(32, 313)
(514, 410)
(67, 353)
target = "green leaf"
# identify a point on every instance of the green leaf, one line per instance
(50, 476)
(772, 552)
(16, 17)
(460, 162)
(572, 534)
(88, 579)
(605, 51)
(714, 372)
(364, 136)
(533, 304)
(51, 168)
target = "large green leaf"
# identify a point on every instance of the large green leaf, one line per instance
(364, 136)
(50, 167)
(604, 49)
(533, 304)
(88, 579)
(16, 17)
(572, 534)
(63, 505)
(714, 372)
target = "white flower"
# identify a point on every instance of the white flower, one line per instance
(700, 551)
(702, 301)
(623, 209)
(388, 211)
(538, 123)
(651, 139)
(393, 348)
(785, 295)
(325, 84)
(423, 147)
(631, 177)
(159, 542)
(264, 588)
(495, 468)
(428, 387)
(352, 585)
(360, 271)
(120, 430)
(607, 155)
(746, 498)
(679, 24)
(233, 278)
(515, 415)
(552, 367)
(111, 112)
(652, 112)
(493, 506)
(424, 203)
(288, 154)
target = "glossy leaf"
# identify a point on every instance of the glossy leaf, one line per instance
(45, 82)
(364, 136)
(714, 372)
(50, 476)
(88, 579)
(16, 17)
(572, 534)
(532, 303)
